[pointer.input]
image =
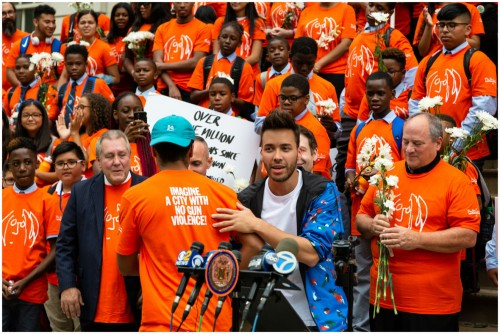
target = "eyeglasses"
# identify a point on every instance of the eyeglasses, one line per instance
(291, 98)
(70, 163)
(81, 106)
(450, 25)
(34, 116)
(17, 163)
(8, 180)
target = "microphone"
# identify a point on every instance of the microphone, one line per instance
(191, 259)
(222, 299)
(286, 251)
(261, 262)
(208, 293)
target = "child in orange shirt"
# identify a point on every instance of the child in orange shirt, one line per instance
(145, 76)
(229, 38)
(124, 109)
(221, 95)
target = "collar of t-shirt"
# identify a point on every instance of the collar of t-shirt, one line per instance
(369, 28)
(389, 118)
(106, 182)
(457, 49)
(272, 71)
(146, 93)
(59, 186)
(79, 81)
(230, 112)
(309, 76)
(400, 88)
(33, 83)
(295, 190)
(31, 189)
(424, 169)
(231, 57)
(302, 114)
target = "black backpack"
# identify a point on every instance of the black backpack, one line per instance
(235, 74)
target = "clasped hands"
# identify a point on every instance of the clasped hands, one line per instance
(393, 237)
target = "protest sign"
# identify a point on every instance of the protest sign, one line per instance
(232, 142)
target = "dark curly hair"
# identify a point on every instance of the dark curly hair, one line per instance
(100, 110)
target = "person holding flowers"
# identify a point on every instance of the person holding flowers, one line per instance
(368, 141)
(464, 88)
(425, 228)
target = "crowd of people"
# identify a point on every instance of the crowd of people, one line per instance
(90, 204)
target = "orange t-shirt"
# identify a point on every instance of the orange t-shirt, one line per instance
(102, 21)
(477, 27)
(376, 129)
(246, 88)
(361, 62)
(159, 222)
(276, 17)
(7, 43)
(398, 104)
(26, 224)
(245, 48)
(258, 84)
(321, 90)
(112, 304)
(263, 8)
(32, 93)
(100, 57)
(100, 87)
(323, 164)
(126, 82)
(447, 78)
(426, 282)
(179, 42)
(315, 21)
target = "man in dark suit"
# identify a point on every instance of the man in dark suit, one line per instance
(91, 286)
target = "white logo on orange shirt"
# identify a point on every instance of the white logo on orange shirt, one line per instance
(277, 14)
(314, 28)
(175, 50)
(246, 45)
(363, 59)
(415, 212)
(448, 87)
(473, 212)
(29, 226)
(91, 66)
(401, 112)
(111, 222)
(490, 80)
(136, 167)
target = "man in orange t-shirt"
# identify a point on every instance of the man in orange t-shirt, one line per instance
(40, 40)
(162, 217)
(91, 286)
(178, 46)
(27, 228)
(10, 35)
(447, 78)
(426, 231)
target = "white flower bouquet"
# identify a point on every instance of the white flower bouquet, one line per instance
(327, 107)
(430, 104)
(43, 63)
(137, 42)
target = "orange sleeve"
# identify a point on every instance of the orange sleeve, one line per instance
(104, 22)
(129, 237)
(477, 26)
(349, 23)
(364, 110)
(102, 88)
(258, 89)
(259, 32)
(51, 210)
(484, 75)
(419, 90)
(246, 89)
(64, 29)
(158, 40)
(217, 27)
(323, 162)
(196, 81)
(398, 40)
(269, 100)
(471, 173)
(10, 62)
(108, 56)
(203, 41)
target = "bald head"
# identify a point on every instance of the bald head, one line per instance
(200, 161)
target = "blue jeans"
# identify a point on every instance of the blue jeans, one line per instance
(20, 316)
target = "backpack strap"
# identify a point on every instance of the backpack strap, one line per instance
(397, 132)
(52, 189)
(467, 57)
(387, 36)
(207, 66)
(71, 30)
(235, 73)
(485, 192)
(359, 128)
(56, 45)
(431, 61)
(89, 85)
(60, 95)
(25, 42)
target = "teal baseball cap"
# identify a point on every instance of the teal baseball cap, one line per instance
(173, 129)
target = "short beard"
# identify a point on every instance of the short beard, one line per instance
(8, 27)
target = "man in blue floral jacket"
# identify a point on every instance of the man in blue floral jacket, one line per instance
(293, 203)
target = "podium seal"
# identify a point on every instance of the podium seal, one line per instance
(221, 273)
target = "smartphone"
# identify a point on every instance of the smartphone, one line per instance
(141, 115)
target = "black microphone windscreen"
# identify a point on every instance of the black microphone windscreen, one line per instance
(288, 244)
(198, 247)
(225, 245)
(237, 254)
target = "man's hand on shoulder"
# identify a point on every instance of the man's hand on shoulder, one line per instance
(241, 220)
(71, 299)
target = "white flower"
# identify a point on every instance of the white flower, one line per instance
(457, 132)
(229, 169)
(328, 106)
(57, 58)
(392, 181)
(374, 179)
(241, 184)
(385, 151)
(489, 122)
(224, 75)
(382, 164)
(426, 103)
(390, 206)
(437, 101)
(380, 17)
(85, 44)
(300, 5)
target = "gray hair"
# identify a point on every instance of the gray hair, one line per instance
(111, 134)
(435, 126)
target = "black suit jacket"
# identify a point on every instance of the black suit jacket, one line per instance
(79, 244)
